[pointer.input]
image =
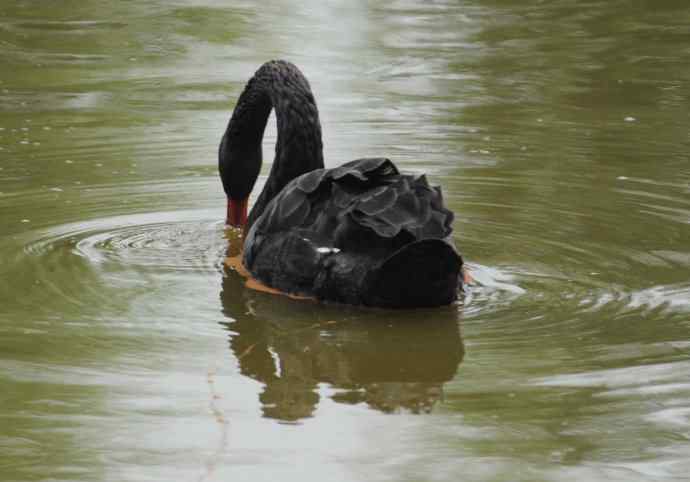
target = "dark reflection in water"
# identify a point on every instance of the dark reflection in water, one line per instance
(392, 361)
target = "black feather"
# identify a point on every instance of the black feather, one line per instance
(368, 212)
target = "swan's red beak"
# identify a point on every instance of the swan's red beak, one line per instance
(237, 212)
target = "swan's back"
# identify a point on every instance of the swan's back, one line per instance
(361, 233)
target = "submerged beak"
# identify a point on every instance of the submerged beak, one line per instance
(237, 212)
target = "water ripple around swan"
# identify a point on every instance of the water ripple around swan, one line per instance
(162, 241)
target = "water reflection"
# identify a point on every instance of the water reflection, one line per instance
(293, 347)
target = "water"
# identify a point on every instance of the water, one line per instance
(560, 135)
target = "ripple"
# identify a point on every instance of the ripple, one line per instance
(668, 297)
(187, 245)
(92, 266)
(493, 289)
(161, 241)
(638, 377)
(527, 297)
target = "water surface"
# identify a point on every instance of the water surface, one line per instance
(559, 133)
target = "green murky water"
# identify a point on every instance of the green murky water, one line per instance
(560, 133)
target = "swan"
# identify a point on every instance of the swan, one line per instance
(362, 233)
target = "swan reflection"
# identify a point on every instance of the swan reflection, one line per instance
(389, 360)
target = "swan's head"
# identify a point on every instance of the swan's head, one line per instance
(239, 164)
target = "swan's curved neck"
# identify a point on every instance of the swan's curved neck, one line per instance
(299, 149)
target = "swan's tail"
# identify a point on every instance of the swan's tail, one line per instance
(421, 274)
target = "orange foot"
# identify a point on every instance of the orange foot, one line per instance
(235, 263)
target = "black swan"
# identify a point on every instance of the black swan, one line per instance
(360, 234)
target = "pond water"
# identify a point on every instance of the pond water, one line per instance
(560, 134)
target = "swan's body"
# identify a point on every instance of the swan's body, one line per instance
(361, 233)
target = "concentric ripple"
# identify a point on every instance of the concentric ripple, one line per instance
(81, 263)
(162, 241)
